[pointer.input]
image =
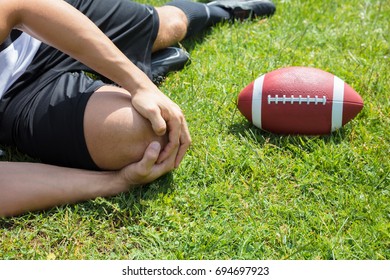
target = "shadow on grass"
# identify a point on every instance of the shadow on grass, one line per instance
(250, 132)
(190, 43)
(125, 208)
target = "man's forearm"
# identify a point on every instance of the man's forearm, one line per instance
(62, 26)
(32, 186)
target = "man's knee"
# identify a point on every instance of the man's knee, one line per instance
(178, 25)
(173, 26)
(115, 133)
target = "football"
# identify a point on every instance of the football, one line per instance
(299, 100)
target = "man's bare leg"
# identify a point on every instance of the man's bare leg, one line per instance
(115, 133)
(173, 27)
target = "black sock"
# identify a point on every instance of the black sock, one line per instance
(200, 15)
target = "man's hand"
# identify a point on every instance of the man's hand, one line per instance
(166, 117)
(147, 169)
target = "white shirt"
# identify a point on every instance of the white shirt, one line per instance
(15, 59)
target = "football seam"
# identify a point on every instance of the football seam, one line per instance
(301, 100)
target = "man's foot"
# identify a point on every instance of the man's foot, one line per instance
(167, 60)
(243, 9)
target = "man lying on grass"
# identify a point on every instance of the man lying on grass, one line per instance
(95, 139)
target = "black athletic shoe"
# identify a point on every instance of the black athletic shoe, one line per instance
(167, 60)
(2, 153)
(243, 9)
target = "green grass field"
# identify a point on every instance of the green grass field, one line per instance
(242, 193)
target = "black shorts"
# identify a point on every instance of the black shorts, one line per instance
(42, 113)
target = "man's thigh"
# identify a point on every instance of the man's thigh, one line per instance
(76, 121)
(47, 123)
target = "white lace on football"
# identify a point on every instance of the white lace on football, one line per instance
(300, 99)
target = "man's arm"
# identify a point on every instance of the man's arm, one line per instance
(33, 186)
(62, 26)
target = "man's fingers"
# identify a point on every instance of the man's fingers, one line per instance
(153, 114)
(147, 169)
(179, 142)
(150, 157)
(173, 140)
(166, 118)
(159, 126)
(158, 123)
(185, 142)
